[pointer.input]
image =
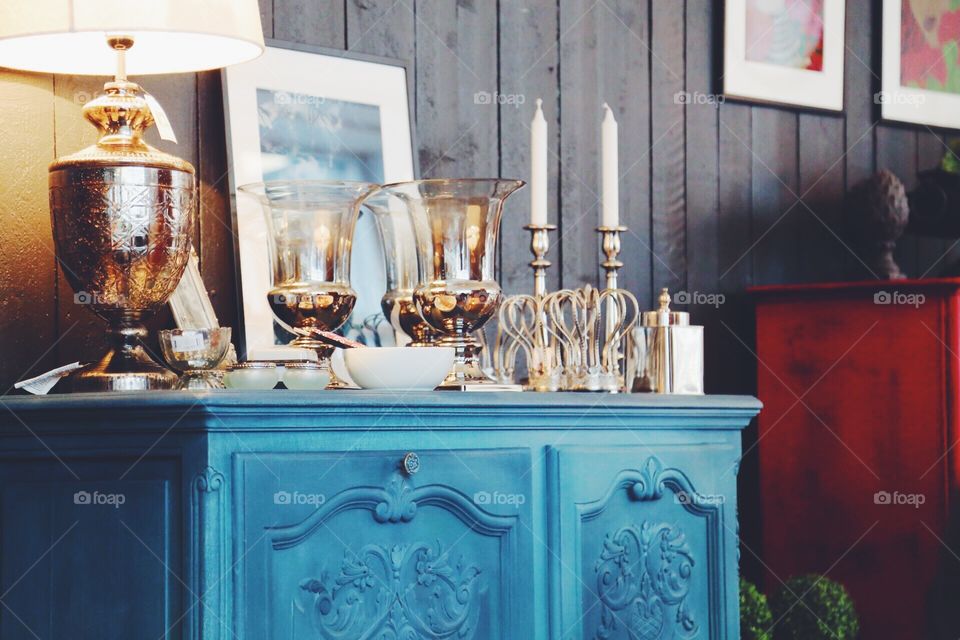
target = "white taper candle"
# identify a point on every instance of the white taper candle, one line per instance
(610, 171)
(538, 167)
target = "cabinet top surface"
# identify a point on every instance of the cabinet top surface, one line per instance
(859, 286)
(320, 409)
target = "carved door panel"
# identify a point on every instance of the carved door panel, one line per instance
(387, 545)
(646, 551)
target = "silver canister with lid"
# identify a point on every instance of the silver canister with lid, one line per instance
(666, 352)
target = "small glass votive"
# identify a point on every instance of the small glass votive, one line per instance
(196, 354)
(305, 376)
(252, 376)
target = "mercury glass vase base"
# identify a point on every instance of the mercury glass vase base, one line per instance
(467, 375)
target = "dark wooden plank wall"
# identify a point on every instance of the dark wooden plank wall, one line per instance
(716, 197)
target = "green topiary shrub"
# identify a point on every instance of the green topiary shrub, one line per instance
(826, 611)
(755, 616)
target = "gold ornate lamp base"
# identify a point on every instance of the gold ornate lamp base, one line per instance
(122, 214)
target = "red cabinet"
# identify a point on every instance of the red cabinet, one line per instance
(856, 446)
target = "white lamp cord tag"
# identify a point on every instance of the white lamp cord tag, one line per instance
(160, 117)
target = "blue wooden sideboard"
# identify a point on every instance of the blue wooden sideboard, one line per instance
(344, 515)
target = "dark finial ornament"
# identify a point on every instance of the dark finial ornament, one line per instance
(879, 212)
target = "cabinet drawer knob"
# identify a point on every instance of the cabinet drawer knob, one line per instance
(411, 463)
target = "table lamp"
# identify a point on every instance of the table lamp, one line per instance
(122, 211)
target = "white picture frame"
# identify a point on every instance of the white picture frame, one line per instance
(908, 104)
(333, 77)
(765, 82)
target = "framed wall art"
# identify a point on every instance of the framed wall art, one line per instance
(787, 52)
(921, 62)
(301, 112)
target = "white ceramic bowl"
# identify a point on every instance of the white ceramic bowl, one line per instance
(399, 368)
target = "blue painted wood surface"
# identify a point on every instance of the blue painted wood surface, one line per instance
(293, 515)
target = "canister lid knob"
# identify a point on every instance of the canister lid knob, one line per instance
(664, 316)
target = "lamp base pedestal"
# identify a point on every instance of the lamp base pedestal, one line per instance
(126, 367)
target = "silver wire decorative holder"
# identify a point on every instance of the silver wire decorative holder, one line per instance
(520, 328)
(572, 339)
(590, 326)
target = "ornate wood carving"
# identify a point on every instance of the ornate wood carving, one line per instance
(405, 591)
(643, 578)
(646, 567)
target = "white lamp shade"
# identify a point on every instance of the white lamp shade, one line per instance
(170, 36)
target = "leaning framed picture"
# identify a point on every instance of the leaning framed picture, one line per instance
(787, 52)
(921, 62)
(305, 113)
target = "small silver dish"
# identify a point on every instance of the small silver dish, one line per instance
(196, 354)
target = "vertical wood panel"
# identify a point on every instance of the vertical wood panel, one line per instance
(266, 17)
(823, 250)
(734, 237)
(776, 221)
(28, 319)
(216, 221)
(626, 31)
(702, 155)
(456, 81)
(579, 142)
(381, 27)
(934, 254)
(861, 80)
(604, 57)
(316, 22)
(529, 62)
(669, 190)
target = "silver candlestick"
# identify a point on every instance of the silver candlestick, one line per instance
(540, 246)
(611, 249)
(610, 243)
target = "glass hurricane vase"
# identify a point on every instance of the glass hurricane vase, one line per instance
(310, 227)
(395, 227)
(456, 224)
